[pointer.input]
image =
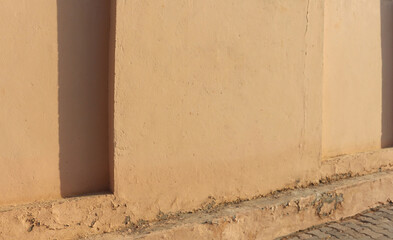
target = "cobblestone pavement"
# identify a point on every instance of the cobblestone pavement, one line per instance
(376, 223)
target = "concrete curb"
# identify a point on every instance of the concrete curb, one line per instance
(263, 218)
(274, 216)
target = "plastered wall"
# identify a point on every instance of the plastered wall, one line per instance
(53, 99)
(215, 98)
(28, 98)
(352, 105)
(358, 77)
(174, 104)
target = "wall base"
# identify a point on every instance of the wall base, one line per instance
(262, 218)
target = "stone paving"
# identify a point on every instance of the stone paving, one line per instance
(376, 223)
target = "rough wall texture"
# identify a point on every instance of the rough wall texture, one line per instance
(53, 87)
(263, 218)
(215, 98)
(352, 77)
(28, 98)
(212, 100)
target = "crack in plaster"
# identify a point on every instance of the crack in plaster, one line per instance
(303, 130)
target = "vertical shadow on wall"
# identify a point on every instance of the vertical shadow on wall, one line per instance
(83, 28)
(387, 72)
(111, 92)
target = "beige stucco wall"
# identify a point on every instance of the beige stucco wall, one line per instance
(352, 97)
(53, 87)
(28, 98)
(215, 98)
(207, 99)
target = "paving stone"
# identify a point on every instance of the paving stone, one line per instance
(389, 207)
(385, 215)
(370, 220)
(319, 234)
(335, 233)
(353, 225)
(382, 222)
(389, 212)
(376, 229)
(314, 238)
(304, 236)
(375, 224)
(293, 238)
(361, 228)
(349, 231)
(375, 216)
(339, 227)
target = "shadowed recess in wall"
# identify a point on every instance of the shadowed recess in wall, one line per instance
(387, 72)
(83, 28)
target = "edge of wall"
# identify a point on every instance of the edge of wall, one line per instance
(111, 93)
